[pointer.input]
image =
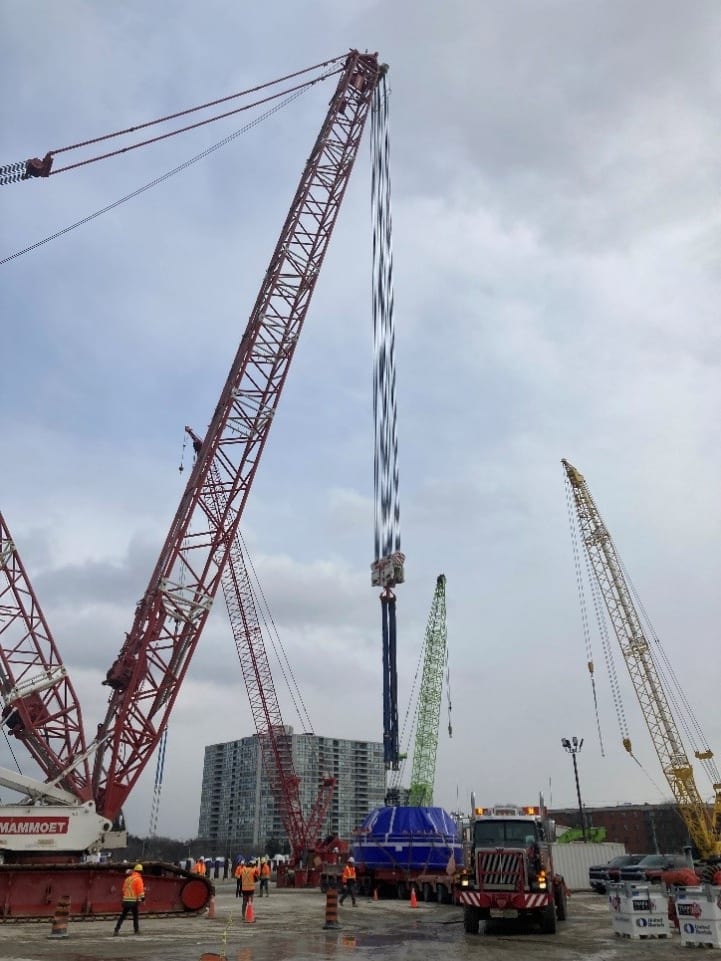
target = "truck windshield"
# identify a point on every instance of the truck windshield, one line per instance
(498, 833)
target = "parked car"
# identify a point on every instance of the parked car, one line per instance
(601, 875)
(652, 867)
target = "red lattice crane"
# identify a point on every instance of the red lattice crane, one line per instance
(146, 676)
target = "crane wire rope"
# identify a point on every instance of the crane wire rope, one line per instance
(265, 619)
(584, 610)
(385, 462)
(158, 784)
(170, 173)
(11, 173)
(279, 650)
(387, 569)
(448, 696)
(410, 720)
(675, 693)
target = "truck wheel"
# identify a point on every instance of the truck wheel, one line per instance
(443, 894)
(561, 905)
(428, 894)
(471, 919)
(548, 919)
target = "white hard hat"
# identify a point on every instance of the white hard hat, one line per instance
(351, 860)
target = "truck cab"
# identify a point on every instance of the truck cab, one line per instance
(510, 873)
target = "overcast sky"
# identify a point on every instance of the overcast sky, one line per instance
(555, 174)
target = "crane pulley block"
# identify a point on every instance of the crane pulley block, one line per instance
(388, 571)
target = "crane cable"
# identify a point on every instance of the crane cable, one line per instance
(268, 624)
(286, 668)
(158, 785)
(584, 608)
(385, 465)
(388, 565)
(681, 707)
(168, 174)
(601, 621)
(42, 168)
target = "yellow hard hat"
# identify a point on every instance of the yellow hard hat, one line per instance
(138, 867)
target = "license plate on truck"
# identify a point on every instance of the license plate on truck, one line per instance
(504, 913)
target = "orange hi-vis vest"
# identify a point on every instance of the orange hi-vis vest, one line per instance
(349, 873)
(265, 870)
(238, 871)
(248, 878)
(133, 887)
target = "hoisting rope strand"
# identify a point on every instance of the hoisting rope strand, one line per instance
(158, 180)
(385, 460)
(203, 106)
(42, 168)
(192, 126)
(11, 173)
(584, 608)
(385, 468)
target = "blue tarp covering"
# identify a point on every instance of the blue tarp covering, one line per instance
(418, 838)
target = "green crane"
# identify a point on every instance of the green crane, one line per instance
(429, 701)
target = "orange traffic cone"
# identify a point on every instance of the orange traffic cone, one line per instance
(375, 894)
(211, 908)
(249, 913)
(414, 899)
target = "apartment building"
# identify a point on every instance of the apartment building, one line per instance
(238, 813)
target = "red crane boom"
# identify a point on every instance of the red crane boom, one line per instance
(40, 708)
(146, 676)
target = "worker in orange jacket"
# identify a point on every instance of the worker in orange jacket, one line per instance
(133, 894)
(264, 878)
(200, 867)
(348, 881)
(248, 878)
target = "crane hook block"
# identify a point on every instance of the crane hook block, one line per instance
(35, 167)
(388, 571)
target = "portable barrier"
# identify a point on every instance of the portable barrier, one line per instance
(699, 915)
(637, 912)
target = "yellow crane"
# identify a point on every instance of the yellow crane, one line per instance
(702, 818)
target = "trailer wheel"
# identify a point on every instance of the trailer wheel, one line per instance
(443, 894)
(561, 903)
(427, 892)
(471, 919)
(548, 919)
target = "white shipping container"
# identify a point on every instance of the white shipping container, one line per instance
(573, 860)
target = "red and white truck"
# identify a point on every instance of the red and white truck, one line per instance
(509, 875)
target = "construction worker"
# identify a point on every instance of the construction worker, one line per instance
(348, 881)
(200, 867)
(238, 875)
(248, 877)
(133, 894)
(264, 878)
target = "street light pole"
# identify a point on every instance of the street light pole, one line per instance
(573, 747)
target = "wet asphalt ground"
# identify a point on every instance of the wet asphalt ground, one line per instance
(289, 926)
